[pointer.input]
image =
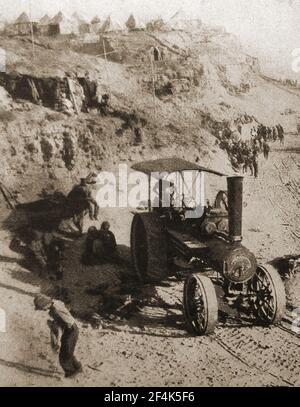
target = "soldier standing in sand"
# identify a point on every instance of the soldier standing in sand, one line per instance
(255, 153)
(280, 133)
(61, 320)
(266, 150)
(37, 250)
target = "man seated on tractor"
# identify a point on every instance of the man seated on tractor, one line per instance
(221, 201)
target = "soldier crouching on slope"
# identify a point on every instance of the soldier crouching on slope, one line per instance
(63, 321)
(88, 258)
(107, 250)
(103, 105)
(81, 200)
(100, 246)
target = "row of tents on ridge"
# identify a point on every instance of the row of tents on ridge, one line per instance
(61, 24)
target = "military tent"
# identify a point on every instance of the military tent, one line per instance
(112, 25)
(60, 24)
(133, 23)
(183, 21)
(96, 25)
(45, 20)
(43, 27)
(22, 19)
(78, 18)
(83, 26)
(23, 25)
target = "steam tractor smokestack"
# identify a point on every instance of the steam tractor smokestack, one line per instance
(235, 207)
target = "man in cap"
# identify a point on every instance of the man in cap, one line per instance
(55, 256)
(106, 245)
(280, 133)
(88, 256)
(65, 105)
(255, 153)
(80, 199)
(61, 320)
(103, 105)
(37, 249)
(266, 150)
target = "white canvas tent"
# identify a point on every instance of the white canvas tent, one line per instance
(60, 24)
(133, 23)
(112, 25)
(22, 19)
(23, 25)
(78, 18)
(183, 21)
(83, 26)
(96, 25)
(43, 27)
(45, 20)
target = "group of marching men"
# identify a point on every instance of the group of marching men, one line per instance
(244, 149)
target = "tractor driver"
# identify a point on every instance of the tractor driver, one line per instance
(221, 201)
(176, 207)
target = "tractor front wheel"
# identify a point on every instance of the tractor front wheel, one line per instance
(200, 305)
(268, 298)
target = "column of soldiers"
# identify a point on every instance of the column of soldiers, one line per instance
(244, 154)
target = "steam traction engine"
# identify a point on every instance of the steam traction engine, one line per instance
(209, 249)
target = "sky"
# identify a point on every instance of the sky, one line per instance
(269, 27)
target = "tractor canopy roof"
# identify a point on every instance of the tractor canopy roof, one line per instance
(171, 165)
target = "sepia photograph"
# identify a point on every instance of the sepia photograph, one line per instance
(150, 196)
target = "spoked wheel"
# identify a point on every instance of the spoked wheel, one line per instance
(200, 305)
(268, 295)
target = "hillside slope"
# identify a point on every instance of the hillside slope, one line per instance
(204, 83)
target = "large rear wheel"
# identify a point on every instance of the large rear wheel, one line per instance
(148, 247)
(200, 305)
(268, 295)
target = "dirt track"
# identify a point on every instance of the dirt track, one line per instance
(154, 349)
